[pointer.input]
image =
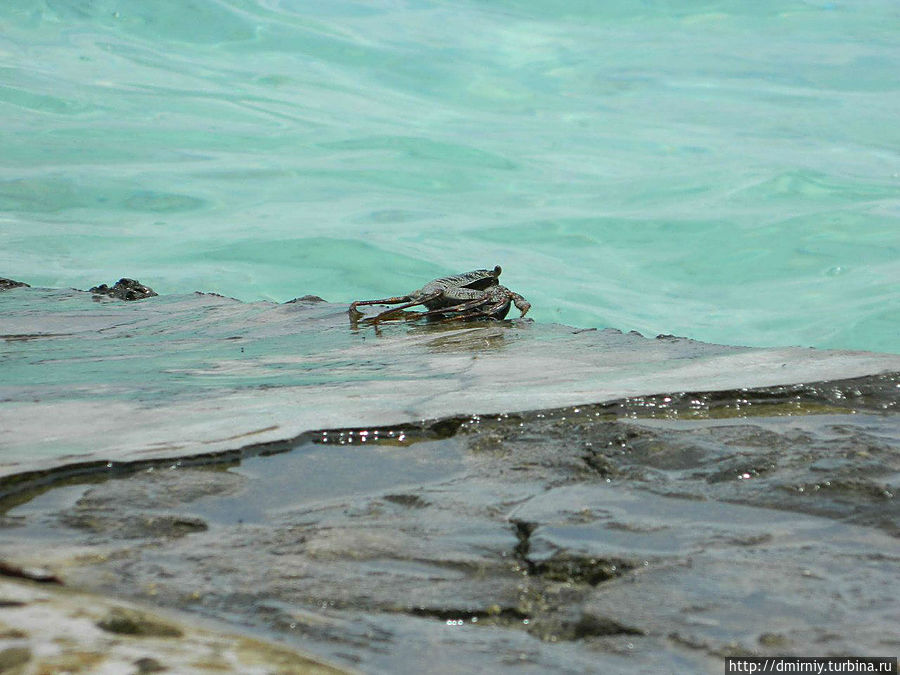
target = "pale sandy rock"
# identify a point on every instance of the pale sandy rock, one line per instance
(51, 629)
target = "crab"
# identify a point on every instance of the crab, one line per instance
(470, 295)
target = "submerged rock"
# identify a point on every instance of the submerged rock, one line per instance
(124, 289)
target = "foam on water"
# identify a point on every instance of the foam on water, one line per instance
(722, 170)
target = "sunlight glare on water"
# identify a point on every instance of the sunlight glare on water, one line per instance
(722, 170)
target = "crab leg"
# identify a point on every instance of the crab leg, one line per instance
(394, 310)
(521, 303)
(384, 301)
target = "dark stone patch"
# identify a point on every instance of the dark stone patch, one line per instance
(148, 664)
(523, 532)
(590, 625)
(12, 633)
(563, 567)
(491, 616)
(409, 501)
(124, 621)
(26, 337)
(596, 462)
(30, 573)
(12, 659)
(124, 289)
(6, 284)
(586, 626)
(575, 569)
(307, 298)
(549, 627)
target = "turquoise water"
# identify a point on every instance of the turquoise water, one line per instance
(728, 171)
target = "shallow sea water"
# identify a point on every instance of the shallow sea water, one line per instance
(721, 170)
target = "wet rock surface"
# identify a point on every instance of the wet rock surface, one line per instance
(166, 451)
(124, 289)
(103, 382)
(654, 533)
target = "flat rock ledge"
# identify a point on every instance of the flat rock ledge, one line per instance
(190, 375)
(51, 629)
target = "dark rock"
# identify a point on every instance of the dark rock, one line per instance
(149, 665)
(6, 284)
(131, 622)
(125, 289)
(575, 569)
(37, 574)
(307, 298)
(486, 616)
(590, 625)
(409, 501)
(13, 658)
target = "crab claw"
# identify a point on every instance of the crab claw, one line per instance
(521, 304)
